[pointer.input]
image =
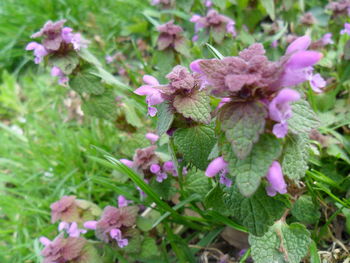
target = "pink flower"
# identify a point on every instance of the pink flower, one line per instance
(57, 72)
(45, 241)
(122, 201)
(225, 181)
(316, 81)
(71, 229)
(62, 250)
(171, 36)
(117, 235)
(161, 177)
(155, 168)
(280, 110)
(152, 137)
(327, 39)
(153, 95)
(276, 180)
(346, 29)
(216, 22)
(127, 162)
(300, 59)
(208, 3)
(217, 165)
(39, 51)
(90, 225)
(169, 166)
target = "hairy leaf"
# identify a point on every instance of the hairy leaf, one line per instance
(249, 171)
(101, 106)
(85, 82)
(66, 63)
(89, 254)
(195, 143)
(195, 106)
(304, 118)
(149, 249)
(242, 124)
(165, 118)
(257, 212)
(197, 182)
(281, 244)
(295, 156)
(305, 211)
(214, 199)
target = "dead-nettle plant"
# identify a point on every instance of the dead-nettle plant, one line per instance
(66, 53)
(237, 130)
(256, 139)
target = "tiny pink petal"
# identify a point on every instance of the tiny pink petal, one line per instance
(215, 167)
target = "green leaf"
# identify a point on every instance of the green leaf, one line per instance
(305, 211)
(149, 248)
(295, 156)
(66, 63)
(89, 254)
(164, 61)
(214, 51)
(242, 124)
(214, 199)
(145, 223)
(101, 106)
(220, 3)
(195, 143)
(165, 189)
(249, 171)
(314, 256)
(304, 118)
(165, 118)
(196, 182)
(281, 244)
(85, 82)
(134, 245)
(195, 106)
(148, 190)
(131, 115)
(269, 6)
(183, 47)
(257, 212)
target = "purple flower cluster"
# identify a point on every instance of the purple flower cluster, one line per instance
(62, 250)
(113, 222)
(219, 24)
(171, 36)
(219, 166)
(251, 76)
(341, 7)
(181, 82)
(57, 39)
(72, 229)
(346, 29)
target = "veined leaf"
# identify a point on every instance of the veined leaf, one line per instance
(281, 244)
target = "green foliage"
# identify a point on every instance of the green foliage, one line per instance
(86, 82)
(149, 249)
(165, 118)
(242, 124)
(257, 212)
(295, 156)
(196, 182)
(102, 106)
(195, 106)
(66, 63)
(248, 172)
(304, 118)
(195, 143)
(305, 211)
(281, 244)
